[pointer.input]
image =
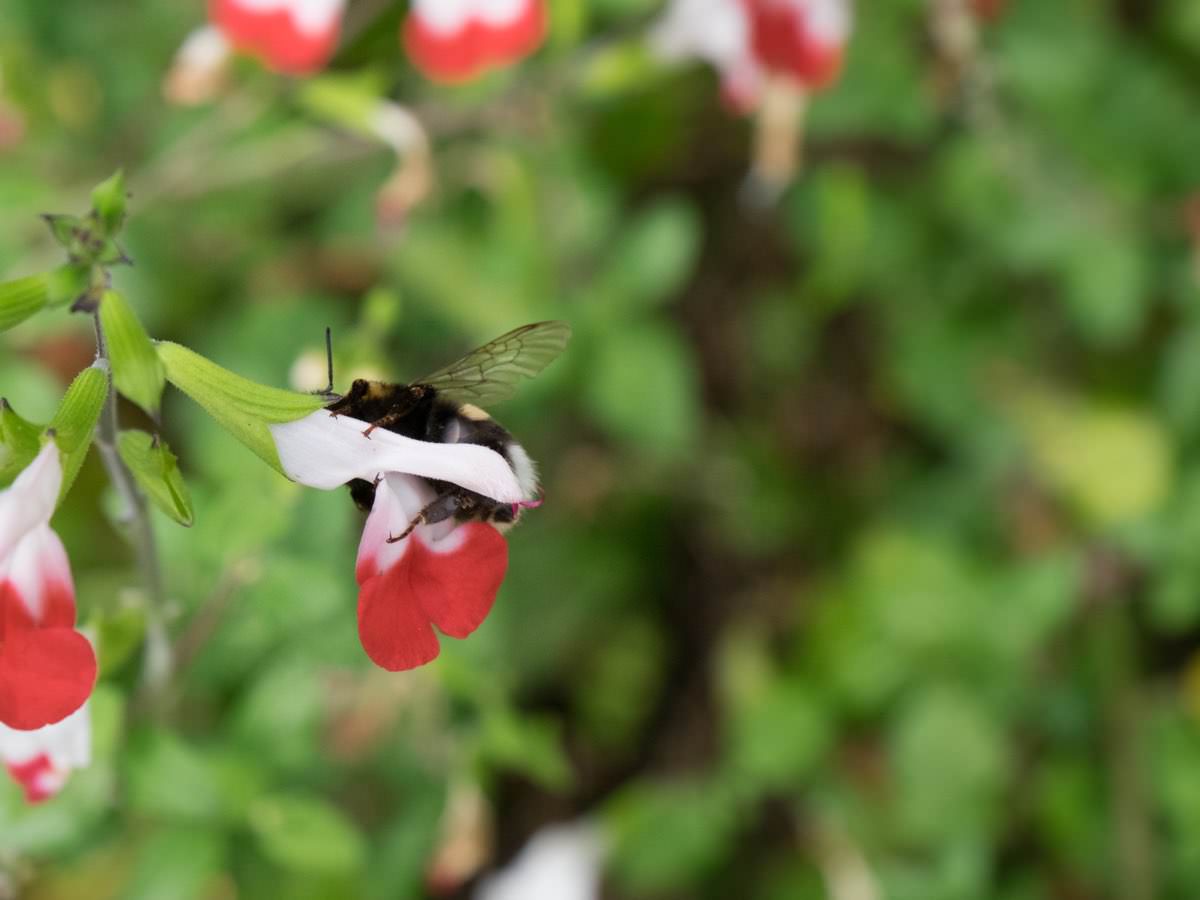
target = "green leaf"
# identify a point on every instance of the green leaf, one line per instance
(137, 372)
(1113, 465)
(527, 744)
(108, 203)
(241, 406)
(19, 442)
(22, 298)
(950, 762)
(648, 355)
(171, 779)
(778, 735)
(157, 472)
(700, 818)
(306, 834)
(652, 258)
(120, 633)
(75, 419)
(179, 863)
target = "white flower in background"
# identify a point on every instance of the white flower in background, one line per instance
(560, 862)
(199, 68)
(41, 760)
(412, 179)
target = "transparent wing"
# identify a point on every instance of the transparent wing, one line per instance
(491, 373)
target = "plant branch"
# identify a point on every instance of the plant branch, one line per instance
(135, 516)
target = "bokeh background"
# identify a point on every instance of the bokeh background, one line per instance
(868, 567)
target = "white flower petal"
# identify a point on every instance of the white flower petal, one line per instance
(713, 30)
(398, 500)
(561, 862)
(30, 500)
(309, 16)
(68, 744)
(38, 563)
(326, 451)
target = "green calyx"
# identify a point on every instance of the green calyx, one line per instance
(137, 372)
(71, 429)
(19, 442)
(90, 239)
(75, 420)
(156, 470)
(21, 298)
(242, 407)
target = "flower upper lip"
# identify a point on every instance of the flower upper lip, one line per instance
(326, 451)
(29, 501)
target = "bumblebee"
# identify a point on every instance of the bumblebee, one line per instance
(447, 407)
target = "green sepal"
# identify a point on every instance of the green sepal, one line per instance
(19, 442)
(75, 420)
(85, 239)
(156, 470)
(21, 298)
(108, 204)
(68, 283)
(137, 372)
(71, 233)
(242, 407)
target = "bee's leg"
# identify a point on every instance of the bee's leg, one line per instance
(440, 509)
(398, 412)
(390, 419)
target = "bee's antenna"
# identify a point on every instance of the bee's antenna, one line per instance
(329, 356)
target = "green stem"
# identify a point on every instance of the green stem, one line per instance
(135, 516)
(1132, 831)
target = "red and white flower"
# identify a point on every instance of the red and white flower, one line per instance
(47, 668)
(296, 37)
(752, 42)
(718, 32)
(451, 40)
(799, 39)
(772, 55)
(40, 761)
(444, 575)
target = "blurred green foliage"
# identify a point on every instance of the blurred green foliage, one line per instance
(870, 548)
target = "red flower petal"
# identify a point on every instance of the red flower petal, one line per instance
(453, 589)
(45, 675)
(276, 36)
(783, 41)
(57, 609)
(477, 45)
(37, 777)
